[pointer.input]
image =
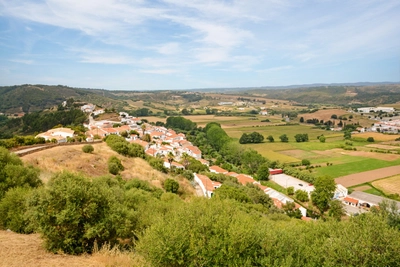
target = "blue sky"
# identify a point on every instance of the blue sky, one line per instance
(183, 44)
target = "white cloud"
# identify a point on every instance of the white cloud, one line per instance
(168, 48)
(22, 61)
(279, 68)
(160, 71)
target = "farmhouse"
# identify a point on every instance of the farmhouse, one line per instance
(368, 200)
(59, 134)
(263, 112)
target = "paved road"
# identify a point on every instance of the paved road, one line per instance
(368, 176)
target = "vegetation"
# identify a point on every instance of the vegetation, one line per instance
(88, 149)
(171, 185)
(254, 137)
(115, 165)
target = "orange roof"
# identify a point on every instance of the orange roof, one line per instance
(208, 183)
(218, 169)
(124, 128)
(140, 142)
(194, 149)
(263, 187)
(350, 200)
(244, 179)
(151, 151)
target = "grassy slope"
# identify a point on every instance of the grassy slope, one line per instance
(27, 250)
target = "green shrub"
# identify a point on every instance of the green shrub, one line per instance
(170, 185)
(73, 213)
(370, 139)
(87, 149)
(12, 209)
(115, 165)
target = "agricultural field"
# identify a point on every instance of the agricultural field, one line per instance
(389, 185)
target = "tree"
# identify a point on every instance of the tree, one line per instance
(170, 157)
(270, 138)
(301, 195)
(301, 119)
(263, 172)
(322, 139)
(301, 137)
(370, 139)
(336, 209)
(87, 149)
(324, 189)
(254, 137)
(305, 162)
(284, 138)
(290, 209)
(334, 116)
(170, 185)
(347, 135)
(251, 161)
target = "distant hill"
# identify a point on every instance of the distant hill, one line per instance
(28, 98)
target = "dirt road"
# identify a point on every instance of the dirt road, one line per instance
(368, 176)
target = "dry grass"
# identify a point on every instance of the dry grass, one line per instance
(387, 147)
(373, 155)
(324, 114)
(72, 158)
(378, 136)
(389, 185)
(27, 250)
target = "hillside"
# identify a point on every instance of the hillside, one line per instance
(72, 158)
(336, 95)
(28, 98)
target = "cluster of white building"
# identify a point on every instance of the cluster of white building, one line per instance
(376, 109)
(59, 134)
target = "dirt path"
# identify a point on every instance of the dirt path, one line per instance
(368, 176)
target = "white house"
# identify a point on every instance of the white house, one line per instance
(206, 184)
(60, 134)
(263, 112)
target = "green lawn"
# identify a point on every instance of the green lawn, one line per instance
(374, 191)
(354, 167)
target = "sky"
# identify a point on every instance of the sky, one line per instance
(185, 44)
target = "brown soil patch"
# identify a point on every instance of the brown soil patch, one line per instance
(387, 147)
(373, 155)
(362, 188)
(378, 136)
(389, 186)
(368, 176)
(324, 114)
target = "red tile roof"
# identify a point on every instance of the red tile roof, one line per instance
(218, 169)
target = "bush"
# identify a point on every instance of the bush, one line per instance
(115, 165)
(305, 162)
(370, 139)
(87, 149)
(170, 185)
(12, 209)
(73, 213)
(290, 190)
(301, 195)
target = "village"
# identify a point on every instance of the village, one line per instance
(164, 143)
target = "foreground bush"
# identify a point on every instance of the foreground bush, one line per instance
(13, 208)
(74, 213)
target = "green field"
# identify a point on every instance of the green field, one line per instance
(357, 166)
